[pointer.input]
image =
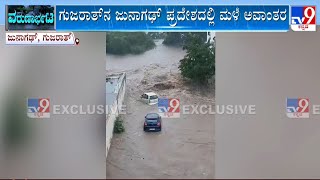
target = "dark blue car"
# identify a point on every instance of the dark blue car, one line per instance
(152, 122)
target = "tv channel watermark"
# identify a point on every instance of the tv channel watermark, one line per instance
(41, 108)
(301, 108)
(38, 107)
(303, 18)
(169, 107)
(172, 108)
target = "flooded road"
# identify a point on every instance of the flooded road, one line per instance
(185, 147)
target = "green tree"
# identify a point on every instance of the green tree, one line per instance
(156, 35)
(122, 43)
(180, 38)
(199, 62)
(174, 39)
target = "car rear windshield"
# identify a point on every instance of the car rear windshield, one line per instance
(152, 120)
(154, 97)
(152, 116)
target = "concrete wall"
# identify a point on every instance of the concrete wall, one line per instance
(114, 112)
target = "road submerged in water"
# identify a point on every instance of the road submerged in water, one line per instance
(185, 146)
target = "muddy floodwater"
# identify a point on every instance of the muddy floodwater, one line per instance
(185, 146)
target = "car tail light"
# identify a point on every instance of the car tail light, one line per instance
(159, 124)
(145, 124)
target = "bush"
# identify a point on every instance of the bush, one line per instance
(118, 126)
(199, 63)
(121, 43)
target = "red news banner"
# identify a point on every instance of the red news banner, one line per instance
(41, 38)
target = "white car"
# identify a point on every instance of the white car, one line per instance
(150, 98)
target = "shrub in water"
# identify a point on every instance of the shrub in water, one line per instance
(118, 126)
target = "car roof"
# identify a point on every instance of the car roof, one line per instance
(150, 93)
(152, 116)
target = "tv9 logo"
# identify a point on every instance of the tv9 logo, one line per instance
(169, 107)
(38, 108)
(303, 18)
(298, 107)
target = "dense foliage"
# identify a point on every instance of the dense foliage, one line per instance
(199, 63)
(157, 35)
(118, 126)
(180, 38)
(122, 43)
